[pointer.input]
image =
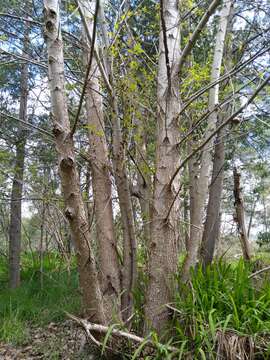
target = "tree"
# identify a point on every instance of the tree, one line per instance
(100, 170)
(74, 207)
(17, 184)
(240, 216)
(199, 180)
(163, 247)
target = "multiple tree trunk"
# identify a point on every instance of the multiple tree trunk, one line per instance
(74, 207)
(200, 173)
(211, 231)
(102, 285)
(129, 269)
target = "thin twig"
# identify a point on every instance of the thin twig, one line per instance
(221, 126)
(88, 69)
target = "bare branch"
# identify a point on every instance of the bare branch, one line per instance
(96, 328)
(259, 272)
(21, 19)
(166, 50)
(187, 49)
(221, 126)
(88, 68)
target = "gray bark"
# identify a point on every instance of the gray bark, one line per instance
(101, 182)
(211, 231)
(202, 178)
(163, 247)
(129, 270)
(17, 184)
(74, 206)
(240, 215)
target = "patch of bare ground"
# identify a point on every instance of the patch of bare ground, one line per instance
(55, 341)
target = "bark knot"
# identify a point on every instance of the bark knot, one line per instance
(69, 212)
(49, 25)
(67, 163)
(52, 13)
(57, 130)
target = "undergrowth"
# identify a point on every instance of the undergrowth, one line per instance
(219, 304)
(221, 313)
(39, 300)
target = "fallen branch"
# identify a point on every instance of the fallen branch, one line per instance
(96, 328)
(259, 272)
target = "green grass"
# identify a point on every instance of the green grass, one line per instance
(34, 303)
(221, 300)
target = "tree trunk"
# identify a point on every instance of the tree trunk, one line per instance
(211, 231)
(195, 226)
(240, 215)
(201, 183)
(17, 184)
(129, 241)
(74, 207)
(143, 181)
(186, 210)
(101, 182)
(129, 269)
(252, 215)
(163, 249)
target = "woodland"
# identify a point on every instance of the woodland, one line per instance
(134, 179)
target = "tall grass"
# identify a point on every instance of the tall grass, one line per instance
(219, 300)
(39, 300)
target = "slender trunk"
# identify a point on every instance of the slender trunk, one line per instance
(240, 215)
(101, 182)
(129, 241)
(195, 227)
(265, 214)
(42, 248)
(89, 204)
(143, 182)
(201, 183)
(41, 245)
(186, 221)
(212, 224)
(252, 215)
(74, 207)
(163, 247)
(129, 270)
(186, 206)
(17, 184)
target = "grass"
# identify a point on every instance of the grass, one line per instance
(221, 312)
(219, 305)
(36, 303)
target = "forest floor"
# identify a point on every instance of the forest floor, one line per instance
(226, 304)
(33, 322)
(62, 340)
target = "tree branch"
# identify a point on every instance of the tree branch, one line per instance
(166, 50)
(88, 69)
(221, 126)
(187, 49)
(96, 328)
